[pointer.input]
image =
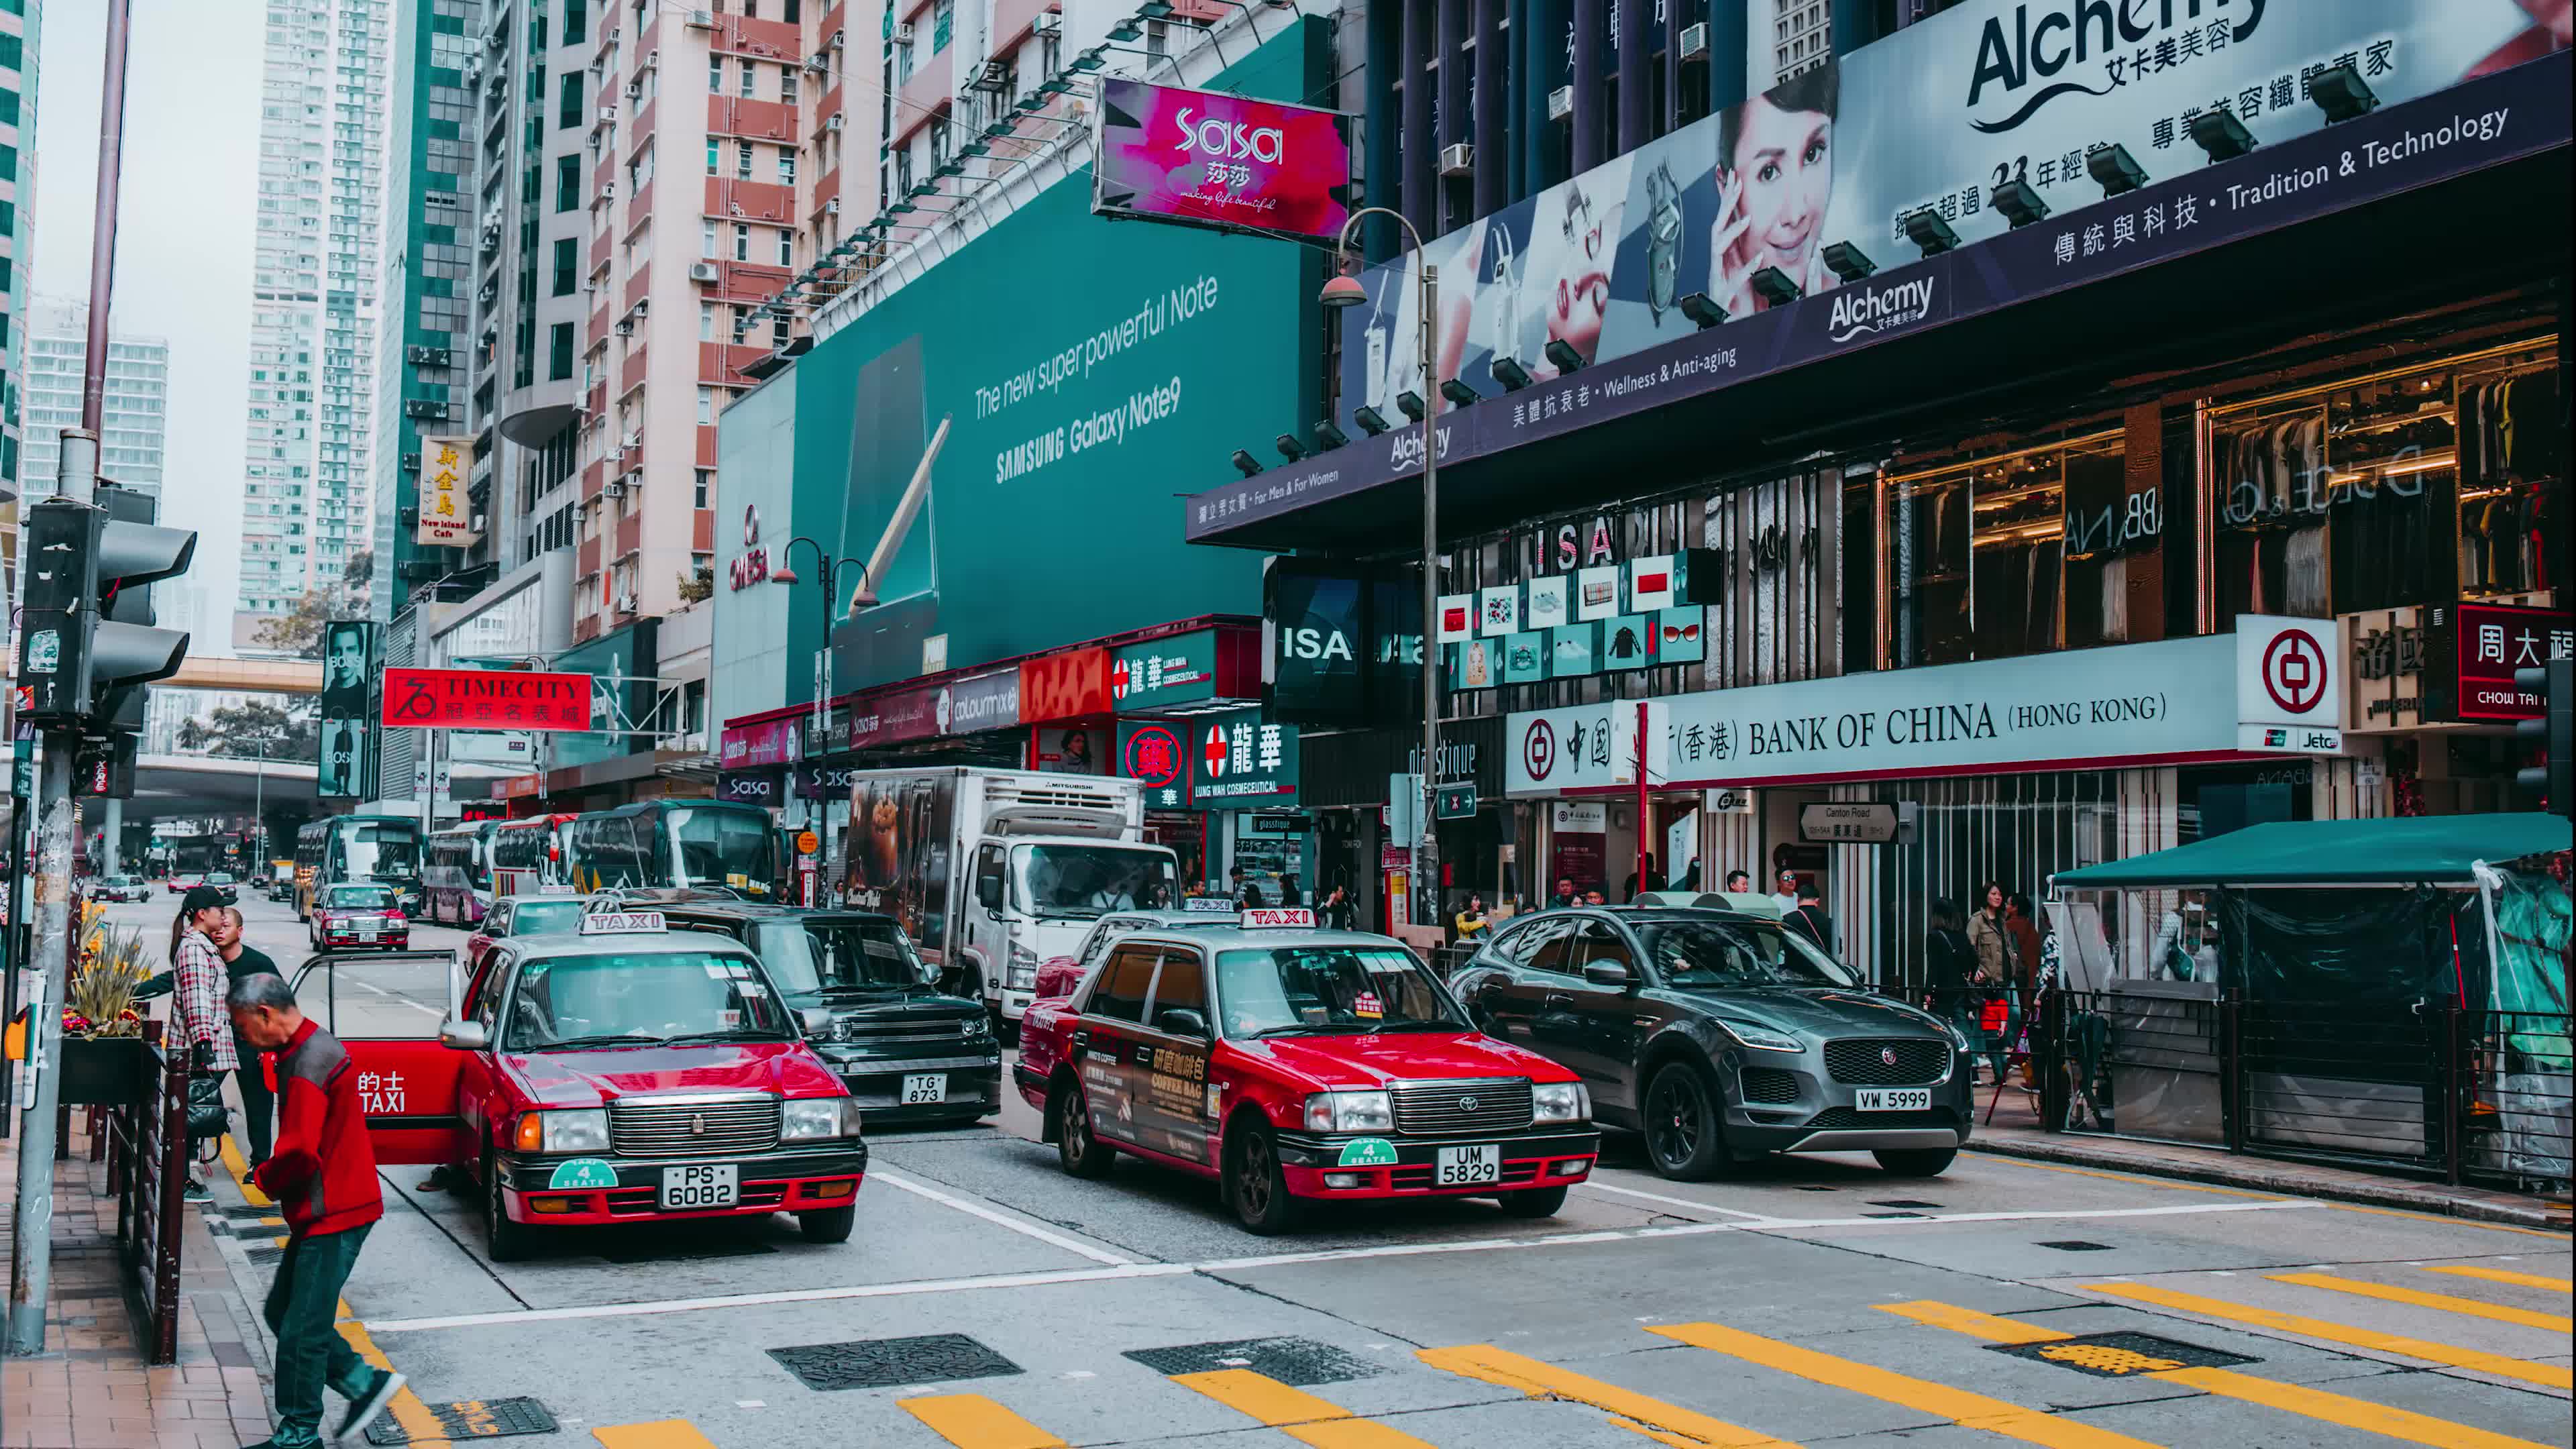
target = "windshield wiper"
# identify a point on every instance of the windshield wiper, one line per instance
(736, 1034)
(1291, 1029)
(1412, 1024)
(617, 1038)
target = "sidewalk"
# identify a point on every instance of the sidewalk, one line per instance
(2015, 1132)
(91, 1389)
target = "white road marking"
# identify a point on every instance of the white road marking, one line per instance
(405, 1000)
(1221, 1266)
(1019, 1225)
(1599, 1186)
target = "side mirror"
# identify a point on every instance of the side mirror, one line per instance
(988, 892)
(817, 1021)
(1181, 1021)
(464, 1036)
(1608, 975)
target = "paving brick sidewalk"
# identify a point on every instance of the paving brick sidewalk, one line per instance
(92, 1389)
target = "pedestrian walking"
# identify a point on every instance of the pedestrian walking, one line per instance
(1786, 897)
(323, 1177)
(1998, 967)
(1471, 919)
(259, 1099)
(197, 996)
(1809, 919)
(1289, 893)
(1338, 912)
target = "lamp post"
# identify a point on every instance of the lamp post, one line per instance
(828, 570)
(1344, 290)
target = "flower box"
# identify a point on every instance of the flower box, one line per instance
(106, 1071)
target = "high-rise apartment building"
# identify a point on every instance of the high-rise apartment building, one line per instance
(136, 417)
(19, 27)
(310, 450)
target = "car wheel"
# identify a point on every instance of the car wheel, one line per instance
(1537, 1202)
(1082, 1154)
(1255, 1186)
(509, 1241)
(1915, 1161)
(1685, 1139)
(828, 1225)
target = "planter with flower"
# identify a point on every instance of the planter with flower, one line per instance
(104, 1055)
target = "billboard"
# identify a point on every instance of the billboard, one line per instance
(1083, 372)
(446, 510)
(346, 740)
(485, 699)
(1212, 158)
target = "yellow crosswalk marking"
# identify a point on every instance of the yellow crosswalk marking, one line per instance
(2507, 1275)
(1967, 1410)
(1295, 1412)
(972, 1421)
(1652, 1417)
(407, 1409)
(2309, 1403)
(2554, 1322)
(2549, 1376)
(660, 1434)
(239, 1167)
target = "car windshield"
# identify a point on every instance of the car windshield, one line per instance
(641, 997)
(1293, 989)
(221, 877)
(1713, 955)
(118, 880)
(733, 848)
(1086, 880)
(359, 898)
(535, 918)
(807, 956)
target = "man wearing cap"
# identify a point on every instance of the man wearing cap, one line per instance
(1786, 898)
(198, 994)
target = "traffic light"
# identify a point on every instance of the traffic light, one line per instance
(81, 646)
(2552, 736)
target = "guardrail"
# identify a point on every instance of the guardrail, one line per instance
(147, 1170)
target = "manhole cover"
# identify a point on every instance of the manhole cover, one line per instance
(2122, 1355)
(2077, 1245)
(879, 1363)
(671, 1252)
(1902, 1202)
(473, 1419)
(1298, 1361)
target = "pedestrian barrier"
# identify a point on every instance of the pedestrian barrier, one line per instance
(147, 1170)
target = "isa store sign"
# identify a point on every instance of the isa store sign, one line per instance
(1221, 160)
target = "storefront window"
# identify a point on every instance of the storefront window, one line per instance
(2016, 553)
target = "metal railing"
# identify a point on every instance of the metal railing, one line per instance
(147, 1171)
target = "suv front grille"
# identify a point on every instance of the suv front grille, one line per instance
(1450, 1109)
(692, 1128)
(914, 1029)
(1887, 1061)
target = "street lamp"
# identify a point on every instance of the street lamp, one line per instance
(1344, 290)
(827, 572)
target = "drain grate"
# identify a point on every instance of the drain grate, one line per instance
(1891, 1215)
(2077, 1245)
(1298, 1361)
(881, 1363)
(2122, 1355)
(1902, 1202)
(473, 1419)
(630, 1253)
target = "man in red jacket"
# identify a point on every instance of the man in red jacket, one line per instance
(323, 1175)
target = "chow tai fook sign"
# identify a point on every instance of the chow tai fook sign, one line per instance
(2474, 650)
(1208, 158)
(485, 699)
(1238, 758)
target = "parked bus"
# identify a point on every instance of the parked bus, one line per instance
(530, 855)
(362, 849)
(680, 843)
(456, 873)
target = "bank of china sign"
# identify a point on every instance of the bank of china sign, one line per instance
(2135, 704)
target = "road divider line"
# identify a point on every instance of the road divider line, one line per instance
(1596, 1185)
(659, 1434)
(2547, 1375)
(1294, 1412)
(2506, 1275)
(1015, 1223)
(2307, 1403)
(972, 1421)
(2445, 1302)
(1668, 1423)
(1959, 1406)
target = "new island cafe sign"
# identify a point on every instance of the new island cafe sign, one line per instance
(2268, 688)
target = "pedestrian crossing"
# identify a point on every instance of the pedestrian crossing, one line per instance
(1977, 1400)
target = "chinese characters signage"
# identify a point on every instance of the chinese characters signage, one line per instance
(1214, 159)
(1237, 756)
(486, 699)
(1155, 754)
(446, 512)
(1177, 670)
(2489, 642)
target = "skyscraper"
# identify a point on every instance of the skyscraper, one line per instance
(137, 415)
(19, 26)
(314, 356)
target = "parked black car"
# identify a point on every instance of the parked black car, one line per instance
(1722, 1037)
(906, 1050)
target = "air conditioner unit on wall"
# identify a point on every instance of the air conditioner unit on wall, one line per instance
(903, 34)
(1695, 41)
(833, 122)
(652, 60)
(1560, 103)
(626, 603)
(1458, 159)
(702, 271)
(832, 206)
(1049, 22)
(700, 20)
(635, 90)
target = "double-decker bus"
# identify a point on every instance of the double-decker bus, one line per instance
(679, 843)
(360, 849)
(529, 855)
(456, 873)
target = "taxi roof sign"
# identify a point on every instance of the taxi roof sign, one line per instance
(1273, 918)
(1209, 905)
(621, 923)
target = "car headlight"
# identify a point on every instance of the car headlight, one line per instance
(1560, 1102)
(1024, 969)
(1760, 1037)
(810, 1118)
(1349, 1112)
(976, 1025)
(583, 1129)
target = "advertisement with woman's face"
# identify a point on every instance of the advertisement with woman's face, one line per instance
(1775, 185)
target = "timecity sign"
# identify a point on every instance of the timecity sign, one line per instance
(486, 699)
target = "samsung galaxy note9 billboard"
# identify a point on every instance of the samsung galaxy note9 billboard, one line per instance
(1217, 159)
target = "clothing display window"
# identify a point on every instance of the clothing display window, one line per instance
(2014, 553)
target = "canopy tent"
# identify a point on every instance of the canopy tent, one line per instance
(2422, 849)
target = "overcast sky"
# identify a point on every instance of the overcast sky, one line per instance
(184, 235)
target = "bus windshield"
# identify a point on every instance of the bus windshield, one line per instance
(389, 850)
(724, 847)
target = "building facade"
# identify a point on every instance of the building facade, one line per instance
(136, 417)
(20, 28)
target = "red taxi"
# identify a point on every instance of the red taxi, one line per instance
(620, 1074)
(359, 916)
(1296, 1065)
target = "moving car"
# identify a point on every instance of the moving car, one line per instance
(621, 1073)
(226, 882)
(181, 882)
(1058, 975)
(359, 917)
(1296, 1065)
(1722, 1037)
(528, 915)
(120, 888)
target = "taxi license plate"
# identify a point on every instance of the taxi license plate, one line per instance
(1893, 1099)
(366, 933)
(687, 1189)
(924, 1087)
(1464, 1166)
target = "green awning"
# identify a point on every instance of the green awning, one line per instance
(2431, 849)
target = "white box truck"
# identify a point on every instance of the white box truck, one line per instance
(993, 871)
